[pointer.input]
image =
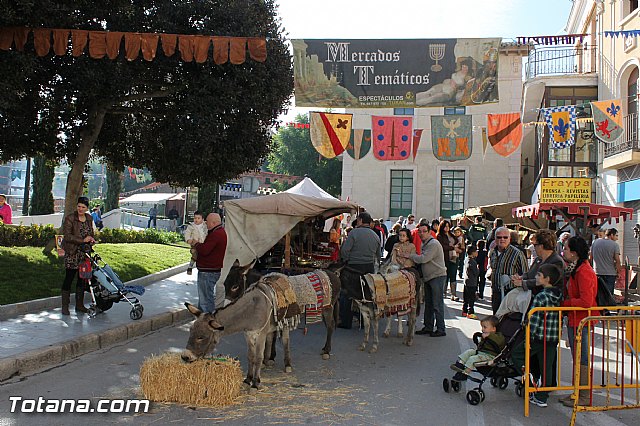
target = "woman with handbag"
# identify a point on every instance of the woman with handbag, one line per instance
(78, 229)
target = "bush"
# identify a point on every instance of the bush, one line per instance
(38, 236)
(22, 236)
(149, 235)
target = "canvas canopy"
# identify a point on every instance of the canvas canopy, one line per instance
(254, 225)
(309, 188)
(504, 211)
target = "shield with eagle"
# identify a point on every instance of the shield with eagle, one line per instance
(607, 120)
(451, 137)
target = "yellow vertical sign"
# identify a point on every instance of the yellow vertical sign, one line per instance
(565, 190)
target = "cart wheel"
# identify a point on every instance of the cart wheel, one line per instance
(473, 397)
(141, 308)
(481, 392)
(445, 385)
(455, 385)
(503, 382)
(494, 382)
(135, 314)
(519, 389)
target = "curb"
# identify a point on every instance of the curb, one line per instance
(43, 358)
(15, 309)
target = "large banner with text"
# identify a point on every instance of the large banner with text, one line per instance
(395, 73)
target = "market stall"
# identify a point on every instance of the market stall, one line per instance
(255, 225)
(503, 211)
(579, 216)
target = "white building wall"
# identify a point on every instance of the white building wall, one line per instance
(490, 178)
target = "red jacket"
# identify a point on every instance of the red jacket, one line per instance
(581, 292)
(417, 241)
(211, 252)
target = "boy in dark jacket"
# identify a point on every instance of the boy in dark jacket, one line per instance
(545, 329)
(490, 345)
(471, 275)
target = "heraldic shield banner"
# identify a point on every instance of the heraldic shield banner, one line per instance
(395, 73)
(451, 137)
(359, 144)
(607, 120)
(392, 137)
(505, 132)
(329, 133)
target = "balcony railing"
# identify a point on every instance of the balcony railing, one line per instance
(628, 140)
(559, 61)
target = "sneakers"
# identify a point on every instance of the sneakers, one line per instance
(472, 316)
(536, 401)
(189, 271)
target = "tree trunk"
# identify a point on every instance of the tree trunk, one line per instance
(88, 136)
(42, 197)
(114, 186)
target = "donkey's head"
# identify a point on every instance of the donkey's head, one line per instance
(204, 335)
(238, 279)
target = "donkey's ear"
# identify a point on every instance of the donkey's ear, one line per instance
(215, 325)
(193, 309)
(236, 264)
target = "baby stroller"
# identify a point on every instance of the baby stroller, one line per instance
(500, 369)
(106, 288)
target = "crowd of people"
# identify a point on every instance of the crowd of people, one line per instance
(546, 270)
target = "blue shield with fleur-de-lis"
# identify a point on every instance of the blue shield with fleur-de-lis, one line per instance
(607, 120)
(562, 125)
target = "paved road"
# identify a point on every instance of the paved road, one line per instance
(396, 386)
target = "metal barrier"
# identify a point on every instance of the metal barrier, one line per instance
(627, 326)
(604, 336)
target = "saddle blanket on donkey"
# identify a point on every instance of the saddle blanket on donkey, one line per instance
(309, 293)
(393, 293)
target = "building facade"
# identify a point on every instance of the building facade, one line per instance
(426, 186)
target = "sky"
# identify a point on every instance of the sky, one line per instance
(382, 19)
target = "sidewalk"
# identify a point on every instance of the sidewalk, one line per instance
(42, 338)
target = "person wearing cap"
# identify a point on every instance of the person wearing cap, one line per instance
(361, 252)
(78, 229)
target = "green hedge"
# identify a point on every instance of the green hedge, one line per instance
(38, 236)
(22, 236)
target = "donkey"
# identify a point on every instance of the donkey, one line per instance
(357, 290)
(386, 268)
(241, 277)
(208, 328)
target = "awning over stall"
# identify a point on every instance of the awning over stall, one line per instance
(254, 225)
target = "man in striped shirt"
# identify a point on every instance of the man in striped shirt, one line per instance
(506, 260)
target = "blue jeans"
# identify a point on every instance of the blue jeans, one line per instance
(207, 290)
(584, 349)
(434, 303)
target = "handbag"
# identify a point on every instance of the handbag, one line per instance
(85, 271)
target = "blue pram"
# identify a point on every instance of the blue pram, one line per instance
(106, 288)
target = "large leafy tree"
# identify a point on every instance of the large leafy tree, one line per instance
(293, 154)
(188, 123)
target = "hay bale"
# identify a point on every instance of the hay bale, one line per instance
(213, 382)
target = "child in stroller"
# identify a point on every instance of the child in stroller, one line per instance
(106, 288)
(490, 345)
(496, 364)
